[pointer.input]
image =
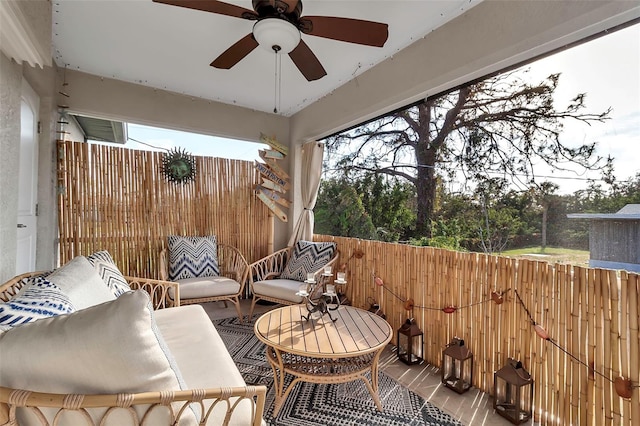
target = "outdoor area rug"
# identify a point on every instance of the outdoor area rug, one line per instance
(326, 404)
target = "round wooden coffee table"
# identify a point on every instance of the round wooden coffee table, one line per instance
(323, 351)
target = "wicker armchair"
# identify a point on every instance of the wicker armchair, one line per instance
(270, 268)
(228, 287)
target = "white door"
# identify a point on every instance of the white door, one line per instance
(27, 180)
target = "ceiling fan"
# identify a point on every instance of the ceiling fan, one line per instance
(278, 27)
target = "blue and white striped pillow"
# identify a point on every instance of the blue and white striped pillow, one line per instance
(193, 257)
(39, 299)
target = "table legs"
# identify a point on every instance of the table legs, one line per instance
(274, 356)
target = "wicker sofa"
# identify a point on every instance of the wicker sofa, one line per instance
(42, 362)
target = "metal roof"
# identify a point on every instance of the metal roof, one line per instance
(628, 212)
(98, 129)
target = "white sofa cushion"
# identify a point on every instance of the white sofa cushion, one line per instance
(195, 288)
(81, 282)
(111, 348)
(109, 272)
(279, 288)
(202, 356)
(39, 299)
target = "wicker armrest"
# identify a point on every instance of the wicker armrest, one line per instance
(233, 264)
(158, 290)
(10, 399)
(269, 266)
(10, 288)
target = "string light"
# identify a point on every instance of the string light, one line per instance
(623, 386)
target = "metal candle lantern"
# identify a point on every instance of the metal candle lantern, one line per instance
(457, 366)
(410, 343)
(513, 392)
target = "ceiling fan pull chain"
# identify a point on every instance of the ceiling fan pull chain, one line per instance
(278, 79)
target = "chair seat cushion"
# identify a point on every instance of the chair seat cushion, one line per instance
(196, 288)
(278, 289)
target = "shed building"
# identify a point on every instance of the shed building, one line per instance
(614, 238)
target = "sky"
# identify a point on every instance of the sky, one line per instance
(606, 69)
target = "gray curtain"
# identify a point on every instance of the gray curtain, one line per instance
(312, 153)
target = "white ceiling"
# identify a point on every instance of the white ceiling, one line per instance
(169, 47)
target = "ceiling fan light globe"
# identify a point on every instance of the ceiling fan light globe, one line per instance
(272, 32)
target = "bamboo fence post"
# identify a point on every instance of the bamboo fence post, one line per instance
(589, 320)
(615, 342)
(575, 345)
(607, 350)
(598, 346)
(634, 338)
(582, 353)
(625, 367)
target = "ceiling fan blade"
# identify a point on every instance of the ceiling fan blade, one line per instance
(235, 53)
(307, 62)
(213, 6)
(350, 30)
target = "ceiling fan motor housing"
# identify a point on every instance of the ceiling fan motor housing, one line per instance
(290, 10)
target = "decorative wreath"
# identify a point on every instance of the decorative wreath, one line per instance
(178, 166)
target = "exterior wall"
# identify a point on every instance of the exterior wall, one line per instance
(43, 81)
(10, 84)
(615, 244)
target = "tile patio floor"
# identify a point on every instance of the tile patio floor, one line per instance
(473, 408)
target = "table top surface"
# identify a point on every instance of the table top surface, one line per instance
(356, 332)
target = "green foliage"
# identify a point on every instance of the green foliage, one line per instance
(493, 218)
(388, 203)
(445, 235)
(339, 211)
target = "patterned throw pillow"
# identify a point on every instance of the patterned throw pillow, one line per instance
(193, 257)
(307, 256)
(40, 299)
(109, 272)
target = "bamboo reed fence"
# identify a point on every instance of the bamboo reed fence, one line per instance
(591, 316)
(116, 199)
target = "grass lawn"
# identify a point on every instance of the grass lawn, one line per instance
(551, 255)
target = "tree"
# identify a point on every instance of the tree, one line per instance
(543, 196)
(389, 203)
(498, 223)
(339, 211)
(499, 125)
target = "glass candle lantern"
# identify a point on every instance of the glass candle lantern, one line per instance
(513, 392)
(410, 343)
(327, 270)
(457, 366)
